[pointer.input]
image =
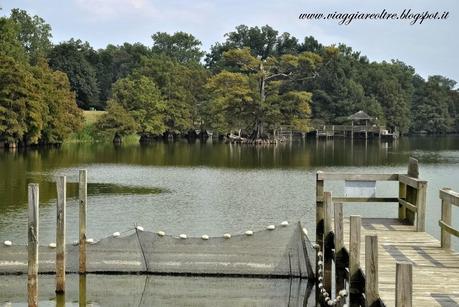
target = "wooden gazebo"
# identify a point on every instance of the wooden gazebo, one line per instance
(359, 118)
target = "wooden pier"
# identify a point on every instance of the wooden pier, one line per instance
(385, 261)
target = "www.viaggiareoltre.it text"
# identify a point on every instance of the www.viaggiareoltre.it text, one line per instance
(407, 14)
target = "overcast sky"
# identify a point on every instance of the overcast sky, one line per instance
(432, 48)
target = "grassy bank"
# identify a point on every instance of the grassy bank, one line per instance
(89, 133)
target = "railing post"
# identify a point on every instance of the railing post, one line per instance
(83, 196)
(421, 206)
(446, 218)
(60, 234)
(32, 247)
(403, 284)
(411, 193)
(339, 248)
(354, 252)
(319, 210)
(401, 195)
(328, 242)
(371, 270)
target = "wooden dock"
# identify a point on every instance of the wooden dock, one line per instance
(435, 270)
(385, 261)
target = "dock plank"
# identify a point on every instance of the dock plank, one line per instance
(435, 270)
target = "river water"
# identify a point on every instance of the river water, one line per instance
(210, 188)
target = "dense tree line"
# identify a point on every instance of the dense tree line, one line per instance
(254, 82)
(37, 105)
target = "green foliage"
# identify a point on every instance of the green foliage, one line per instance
(116, 121)
(141, 98)
(71, 58)
(34, 34)
(9, 43)
(181, 46)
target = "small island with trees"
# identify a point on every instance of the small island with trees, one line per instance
(244, 89)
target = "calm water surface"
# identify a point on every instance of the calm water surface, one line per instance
(210, 188)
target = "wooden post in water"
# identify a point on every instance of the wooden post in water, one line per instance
(60, 234)
(446, 218)
(371, 270)
(32, 247)
(403, 284)
(339, 248)
(328, 243)
(83, 197)
(319, 218)
(354, 251)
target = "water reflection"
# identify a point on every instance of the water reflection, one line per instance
(150, 290)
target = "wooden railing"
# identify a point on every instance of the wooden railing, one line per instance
(411, 199)
(448, 198)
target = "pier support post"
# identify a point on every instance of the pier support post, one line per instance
(328, 241)
(340, 265)
(371, 270)
(60, 234)
(403, 284)
(83, 197)
(354, 253)
(32, 247)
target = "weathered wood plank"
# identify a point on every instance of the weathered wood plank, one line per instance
(407, 205)
(354, 249)
(60, 234)
(371, 270)
(404, 285)
(32, 230)
(341, 199)
(83, 197)
(410, 181)
(449, 196)
(350, 176)
(421, 206)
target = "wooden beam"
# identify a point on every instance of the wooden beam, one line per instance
(341, 199)
(83, 196)
(32, 246)
(446, 210)
(328, 213)
(401, 195)
(371, 270)
(338, 223)
(411, 181)
(407, 205)
(354, 249)
(448, 228)
(449, 196)
(421, 206)
(350, 176)
(404, 284)
(60, 234)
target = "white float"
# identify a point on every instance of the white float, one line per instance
(183, 236)
(271, 227)
(161, 233)
(139, 228)
(90, 241)
(205, 237)
(116, 234)
(284, 223)
(227, 236)
(7, 243)
(52, 245)
(249, 233)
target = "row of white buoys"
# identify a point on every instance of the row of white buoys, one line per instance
(328, 300)
(204, 237)
(7, 243)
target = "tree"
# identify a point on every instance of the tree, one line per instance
(181, 46)
(117, 121)
(182, 88)
(70, 57)
(9, 44)
(272, 102)
(34, 34)
(140, 96)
